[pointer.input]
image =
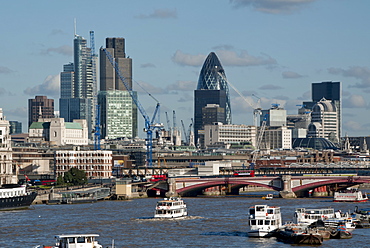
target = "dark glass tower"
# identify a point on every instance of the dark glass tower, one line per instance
(212, 89)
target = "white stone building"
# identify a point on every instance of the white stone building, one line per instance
(229, 133)
(58, 132)
(324, 121)
(277, 138)
(8, 172)
(96, 164)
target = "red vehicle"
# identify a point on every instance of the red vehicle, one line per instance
(156, 178)
(48, 182)
(244, 173)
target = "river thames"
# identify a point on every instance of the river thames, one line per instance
(212, 222)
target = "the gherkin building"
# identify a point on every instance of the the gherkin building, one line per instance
(212, 91)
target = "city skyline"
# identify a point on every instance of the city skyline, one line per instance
(274, 50)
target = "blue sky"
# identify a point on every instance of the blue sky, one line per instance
(273, 49)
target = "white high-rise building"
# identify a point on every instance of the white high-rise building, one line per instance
(8, 172)
(324, 121)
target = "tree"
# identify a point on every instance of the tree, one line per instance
(73, 177)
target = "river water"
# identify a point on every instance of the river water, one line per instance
(212, 222)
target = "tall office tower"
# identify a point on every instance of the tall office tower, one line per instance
(77, 86)
(118, 112)
(329, 91)
(40, 107)
(212, 89)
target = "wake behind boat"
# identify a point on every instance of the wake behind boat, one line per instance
(264, 220)
(168, 208)
(14, 196)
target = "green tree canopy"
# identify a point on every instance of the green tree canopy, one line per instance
(73, 177)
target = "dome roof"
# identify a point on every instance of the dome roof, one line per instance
(324, 106)
(314, 143)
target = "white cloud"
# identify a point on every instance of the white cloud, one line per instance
(5, 70)
(182, 86)
(270, 87)
(272, 6)
(354, 101)
(226, 57)
(160, 14)
(50, 87)
(358, 72)
(63, 50)
(291, 74)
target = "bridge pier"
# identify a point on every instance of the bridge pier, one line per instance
(171, 187)
(287, 187)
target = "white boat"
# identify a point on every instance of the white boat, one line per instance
(76, 241)
(329, 216)
(268, 197)
(264, 220)
(173, 207)
(350, 195)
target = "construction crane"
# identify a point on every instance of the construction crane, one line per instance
(169, 127)
(256, 110)
(258, 143)
(97, 134)
(150, 126)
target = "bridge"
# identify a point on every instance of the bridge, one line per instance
(288, 186)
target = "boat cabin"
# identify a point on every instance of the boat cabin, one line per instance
(308, 216)
(77, 241)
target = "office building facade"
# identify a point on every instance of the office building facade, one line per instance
(40, 107)
(118, 111)
(329, 91)
(230, 134)
(212, 88)
(78, 87)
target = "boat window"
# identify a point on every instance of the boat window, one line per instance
(270, 211)
(253, 222)
(260, 208)
(71, 240)
(251, 211)
(260, 222)
(267, 222)
(272, 222)
(81, 240)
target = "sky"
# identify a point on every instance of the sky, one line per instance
(271, 51)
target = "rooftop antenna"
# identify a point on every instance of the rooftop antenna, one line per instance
(75, 27)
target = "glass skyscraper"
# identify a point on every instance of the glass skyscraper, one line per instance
(118, 112)
(212, 89)
(77, 86)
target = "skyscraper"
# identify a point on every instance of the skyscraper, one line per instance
(328, 91)
(212, 89)
(40, 107)
(118, 111)
(77, 85)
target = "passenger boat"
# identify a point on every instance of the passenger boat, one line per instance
(268, 197)
(350, 195)
(328, 216)
(264, 220)
(76, 241)
(173, 207)
(14, 196)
